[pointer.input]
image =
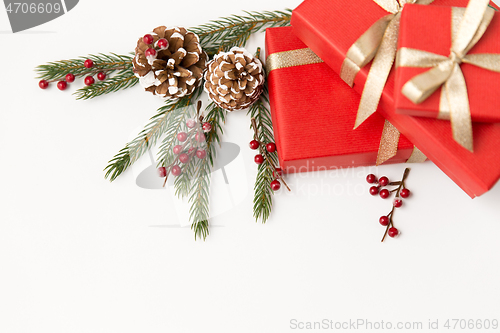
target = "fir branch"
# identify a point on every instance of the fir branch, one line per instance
(54, 71)
(226, 32)
(263, 202)
(199, 199)
(124, 80)
(148, 136)
(166, 156)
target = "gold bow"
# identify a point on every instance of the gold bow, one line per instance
(468, 26)
(388, 147)
(378, 43)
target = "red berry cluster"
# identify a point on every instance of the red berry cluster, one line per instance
(190, 145)
(70, 77)
(152, 51)
(401, 193)
(264, 150)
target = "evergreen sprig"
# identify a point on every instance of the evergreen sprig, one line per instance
(54, 71)
(147, 137)
(226, 32)
(177, 123)
(200, 189)
(124, 80)
(262, 201)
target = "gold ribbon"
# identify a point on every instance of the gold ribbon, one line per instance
(468, 26)
(291, 58)
(390, 135)
(378, 43)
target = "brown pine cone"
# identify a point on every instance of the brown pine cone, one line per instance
(234, 79)
(172, 64)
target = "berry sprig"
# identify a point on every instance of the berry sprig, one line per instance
(401, 193)
(154, 47)
(265, 149)
(192, 143)
(92, 70)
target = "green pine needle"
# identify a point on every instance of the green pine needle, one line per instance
(226, 32)
(200, 188)
(147, 137)
(221, 34)
(263, 201)
(113, 84)
(54, 71)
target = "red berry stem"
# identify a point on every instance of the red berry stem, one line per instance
(184, 145)
(92, 71)
(397, 190)
(264, 152)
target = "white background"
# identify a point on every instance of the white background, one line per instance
(78, 254)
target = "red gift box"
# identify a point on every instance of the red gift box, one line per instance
(312, 112)
(428, 28)
(329, 28)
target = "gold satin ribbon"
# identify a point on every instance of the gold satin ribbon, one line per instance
(468, 26)
(390, 135)
(378, 43)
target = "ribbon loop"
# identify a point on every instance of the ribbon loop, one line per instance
(379, 72)
(364, 50)
(423, 85)
(467, 29)
(379, 43)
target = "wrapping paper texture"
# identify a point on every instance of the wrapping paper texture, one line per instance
(313, 111)
(329, 28)
(428, 28)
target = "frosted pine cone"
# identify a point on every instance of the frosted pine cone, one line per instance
(169, 62)
(234, 79)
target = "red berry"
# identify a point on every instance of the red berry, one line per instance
(393, 232)
(190, 150)
(384, 220)
(199, 136)
(88, 63)
(70, 77)
(148, 39)
(271, 147)
(182, 136)
(371, 178)
(207, 127)
(176, 170)
(275, 185)
(184, 158)
(383, 181)
(201, 154)
(43, 84)
(177, 149)
(277, 172)
(384, 194)
(162, 172)
(62, 85)
(398, 202)
(190, 123)
(254, 144)
(374, 190)
(162, 43)
(404, 193)
(101, 76)
(89, 80)
(150, 52)
(259, 159)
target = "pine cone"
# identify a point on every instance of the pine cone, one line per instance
(169, 62)
(234, 79)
